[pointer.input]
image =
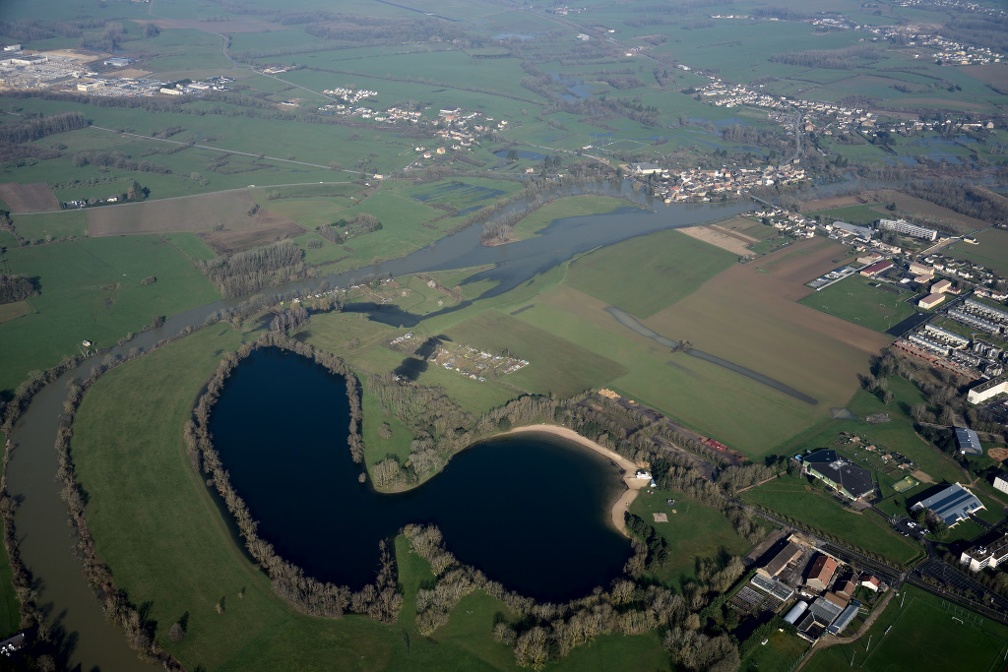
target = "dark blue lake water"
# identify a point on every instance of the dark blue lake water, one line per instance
(531, 511)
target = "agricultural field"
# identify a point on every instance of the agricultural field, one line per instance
(861, 301)
(908, 630)
(644, 275)
(748, 315)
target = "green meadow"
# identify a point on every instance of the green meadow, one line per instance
(91, 290)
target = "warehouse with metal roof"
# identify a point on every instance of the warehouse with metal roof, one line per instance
(953, 504)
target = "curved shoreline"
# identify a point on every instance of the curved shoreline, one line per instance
(630, 480)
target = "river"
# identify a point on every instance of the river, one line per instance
(41, 520)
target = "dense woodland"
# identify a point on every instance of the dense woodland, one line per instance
(247, 272)
(17, 288)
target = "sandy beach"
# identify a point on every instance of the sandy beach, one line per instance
(633, 484)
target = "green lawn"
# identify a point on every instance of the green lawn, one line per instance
(855, 299)
(991, 252)
(645, 274)
(693, 530)
(793, 496)
(926, 630)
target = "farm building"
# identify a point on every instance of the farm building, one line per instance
(1001, 482)
(931, 300)
(991, 554)
(843, 620)
(953, 504)
(848, 479)
(968, 441)
(819, 616)
(645, 168)
(821, 573)
(877, 268)
(787, 555)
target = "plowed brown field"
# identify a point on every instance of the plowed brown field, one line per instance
(748, 315)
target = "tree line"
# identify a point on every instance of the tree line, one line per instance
(542, 632)
(40, 127)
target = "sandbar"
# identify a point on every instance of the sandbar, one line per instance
(633, 484)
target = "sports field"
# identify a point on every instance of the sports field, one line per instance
(991, 252)
(932, 633)
(864, 302)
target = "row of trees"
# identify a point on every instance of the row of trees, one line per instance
(119, 160)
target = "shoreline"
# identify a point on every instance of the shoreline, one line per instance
(630, 480)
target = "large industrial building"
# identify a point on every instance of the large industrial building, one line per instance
(842, 475)
(953, 504)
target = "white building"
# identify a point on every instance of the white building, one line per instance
(989, 555)
(903, 226)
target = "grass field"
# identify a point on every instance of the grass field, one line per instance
(793, 496)
(91, 290)
(932, 633)
(555, 365)
(643, 275)
(694, 530)
(573, 206)
(779, 655)
(859, 300)
(992, 251)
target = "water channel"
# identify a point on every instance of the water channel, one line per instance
(45, 540)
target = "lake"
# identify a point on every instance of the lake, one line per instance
(531, 511)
